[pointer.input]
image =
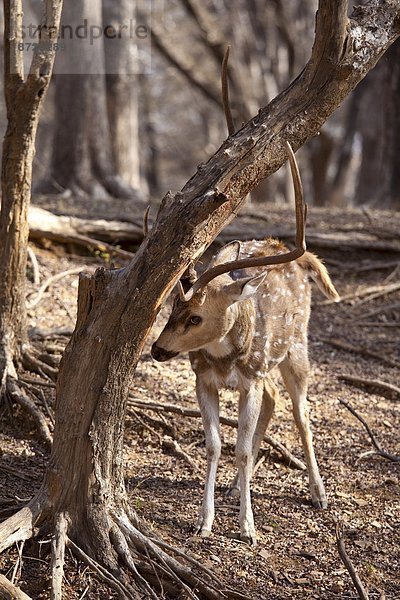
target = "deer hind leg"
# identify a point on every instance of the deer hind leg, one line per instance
(294, 370)
(249, 411)
(270, 396)
(208, 399)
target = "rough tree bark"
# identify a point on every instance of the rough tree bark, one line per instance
(379, 175)
(122, 86)
(24, 99)
(82, 157)
(83, 495)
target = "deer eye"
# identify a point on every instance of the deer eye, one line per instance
(195, 320)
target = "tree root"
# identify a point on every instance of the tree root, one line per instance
(20, 527)
(149, 566)
(19, 395)
(57, 556)
(31, 361)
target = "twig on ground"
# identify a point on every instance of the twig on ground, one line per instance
(379, 311)
(372, 324)
(373, 292)
(50, 281)
(173, 446)
(348, 564)
(355, 268)
(379, 451)
(359, 350)
(190, 412)
(375, 383)
(18, 565)
(35, 266)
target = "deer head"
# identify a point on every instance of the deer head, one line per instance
(206, 311)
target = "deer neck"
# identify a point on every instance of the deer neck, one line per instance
(236, 343)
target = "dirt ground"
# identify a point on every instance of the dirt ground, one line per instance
(296, 556)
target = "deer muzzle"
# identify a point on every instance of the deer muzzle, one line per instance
(160, 354)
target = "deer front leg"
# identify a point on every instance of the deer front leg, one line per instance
(249, 411)
(208, 399)
(270, 396)
(294, 370)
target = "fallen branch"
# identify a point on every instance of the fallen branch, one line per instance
(348, 564)
(375, 383)
(379, 311)
(8, 591)
(373, 292)
(356, 268)
(34, 265)
(372, 324)
(168, 443)
(190, 412)
(379, 451)
(359, 350)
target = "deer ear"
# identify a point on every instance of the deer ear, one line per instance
(227, 253)
(243, 288)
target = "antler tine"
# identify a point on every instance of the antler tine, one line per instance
(225, 92)
(146, 221)
(261, 261)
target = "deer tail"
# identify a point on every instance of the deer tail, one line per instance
(319, 273)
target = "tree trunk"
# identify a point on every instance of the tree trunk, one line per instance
(122, 84)
(82, 158)
(24, 99)
(379, 178)
(83, 491)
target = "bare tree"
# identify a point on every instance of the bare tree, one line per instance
(378, 179)
(83, 498)
(86, 157)
(24, 99)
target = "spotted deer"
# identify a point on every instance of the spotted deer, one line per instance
(247, 314)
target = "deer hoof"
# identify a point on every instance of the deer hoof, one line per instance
(250, 539)
(204, 533)
(233, 491)
(320, 503)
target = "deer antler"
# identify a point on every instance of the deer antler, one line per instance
(225, 92)
(261, 261)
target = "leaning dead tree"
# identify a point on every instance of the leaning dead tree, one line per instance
(24, 99)
(83, 498)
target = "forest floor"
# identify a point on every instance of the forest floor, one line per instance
(296, 556)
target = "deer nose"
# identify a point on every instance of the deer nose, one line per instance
(156, 352)
(161, 354)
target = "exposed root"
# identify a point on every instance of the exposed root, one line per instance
(102, 573)
(33, 363)
(9, 591)
(121, 546)
(20, 396)
(57, 556)
(20, 527)
(168, 566)
(150, 568)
